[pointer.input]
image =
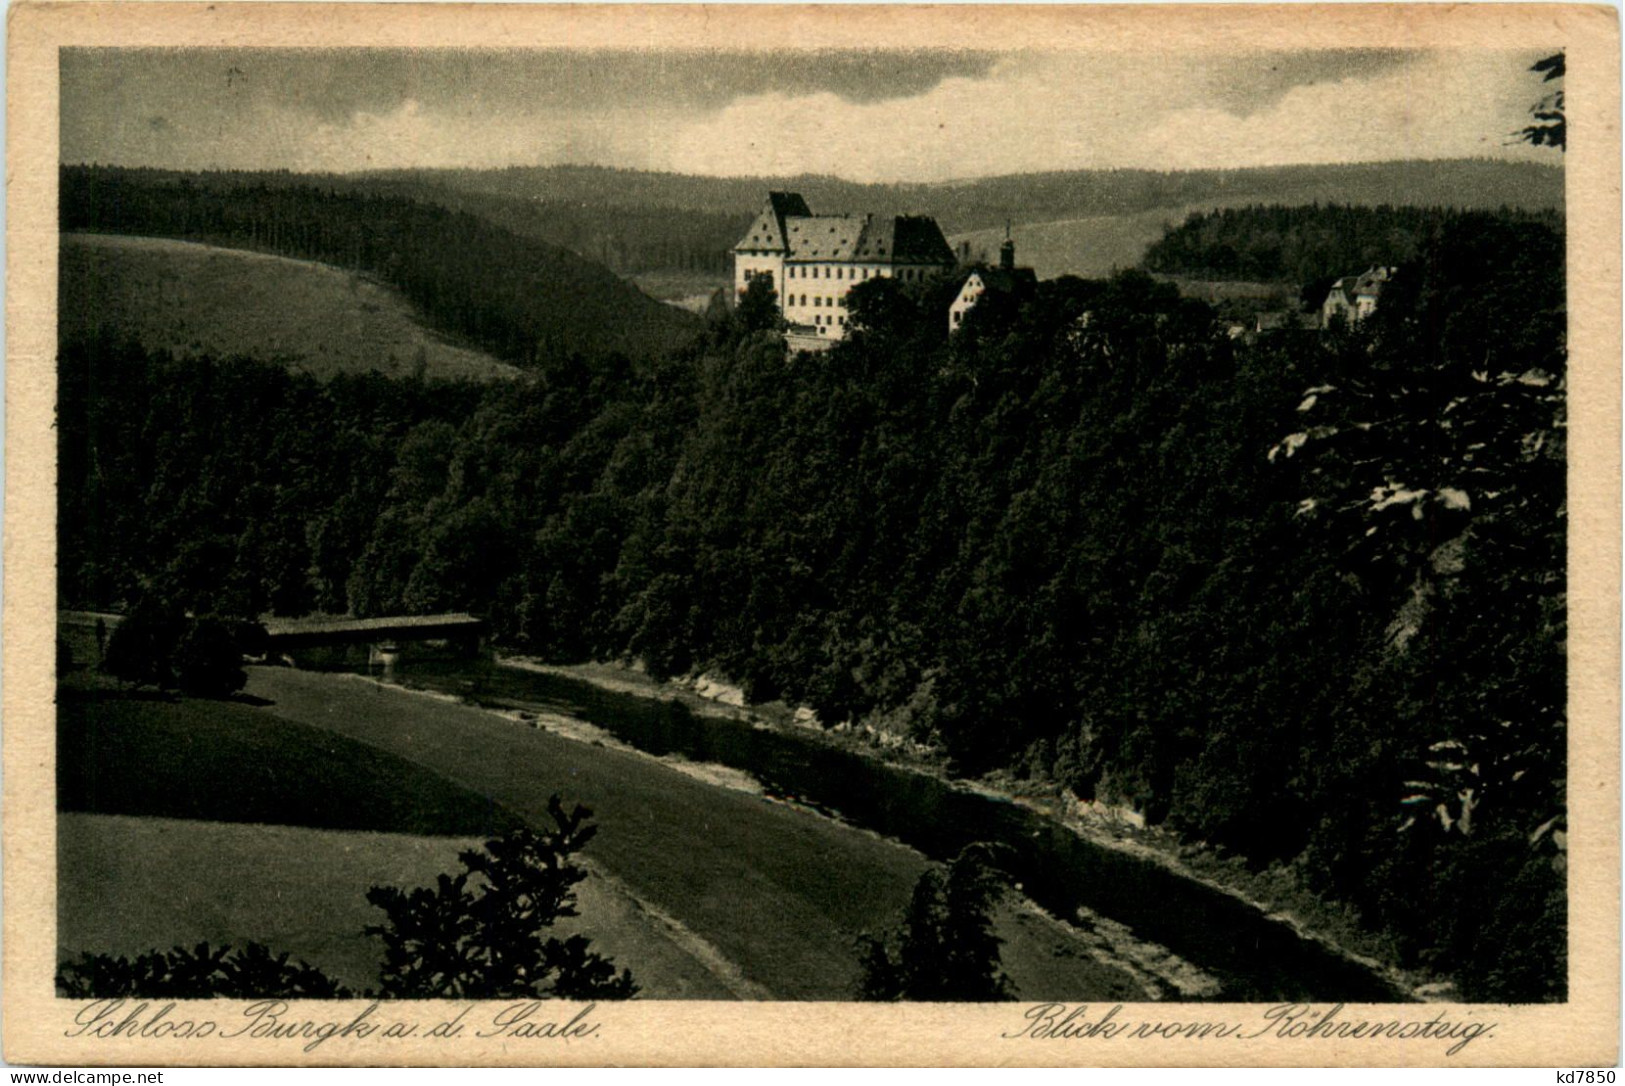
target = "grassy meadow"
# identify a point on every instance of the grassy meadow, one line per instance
(1092, 247)
(128, 885)
(267, 817)
(201, 301)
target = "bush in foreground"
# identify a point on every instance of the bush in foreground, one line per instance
(453, 942)
(252, 972)
(450, 941)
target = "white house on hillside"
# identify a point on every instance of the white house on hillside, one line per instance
(1004, 279)
(1354, 297)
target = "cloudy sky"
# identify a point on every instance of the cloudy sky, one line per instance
(871, 116)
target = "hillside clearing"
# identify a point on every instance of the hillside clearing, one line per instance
(129, 885)
(224, 761)
(1091, 247)
(198, 300)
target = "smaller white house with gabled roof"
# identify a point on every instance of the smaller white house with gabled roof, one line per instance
(1005, 279)
(1355, 297)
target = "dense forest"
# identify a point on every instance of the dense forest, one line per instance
(629, 239)
(519, 298)
(1300, 598)
(1304, 245)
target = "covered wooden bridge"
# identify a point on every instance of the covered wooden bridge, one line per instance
(318, 639)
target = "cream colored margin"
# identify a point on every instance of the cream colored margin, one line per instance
(1584, 1031)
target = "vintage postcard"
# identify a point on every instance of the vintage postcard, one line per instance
(580, 535)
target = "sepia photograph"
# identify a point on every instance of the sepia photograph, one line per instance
(1073, 528)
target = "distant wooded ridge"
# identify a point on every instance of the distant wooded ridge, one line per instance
(635, 221)
(1035, 197)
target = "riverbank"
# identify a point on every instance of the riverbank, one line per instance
(1037, 943)
(777, 897)
(1273, 893)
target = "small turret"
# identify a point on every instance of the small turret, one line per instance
(1007, 251)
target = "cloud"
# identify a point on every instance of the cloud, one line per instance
(1252, 82)
(1440, 106)
(867, 116)
(1034, 114)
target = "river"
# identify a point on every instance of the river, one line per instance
(1254, 957)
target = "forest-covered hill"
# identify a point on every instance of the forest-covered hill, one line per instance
(1305, 245)
(1301, 598)
(516, 297)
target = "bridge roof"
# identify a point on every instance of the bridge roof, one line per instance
(277, 627)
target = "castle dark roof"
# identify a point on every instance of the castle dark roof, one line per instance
(788, 205)
(918, 239)
(767, 232)
(825, 237)
(788, 226)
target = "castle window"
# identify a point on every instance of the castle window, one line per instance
(818, 301)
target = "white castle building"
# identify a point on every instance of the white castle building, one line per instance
(813, 261)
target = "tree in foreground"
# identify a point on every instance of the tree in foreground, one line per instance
(945, 950)
(142, 648)
(492, 940)
(208, 661)
(759, 308)
(158, 645)
(1550, 128)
